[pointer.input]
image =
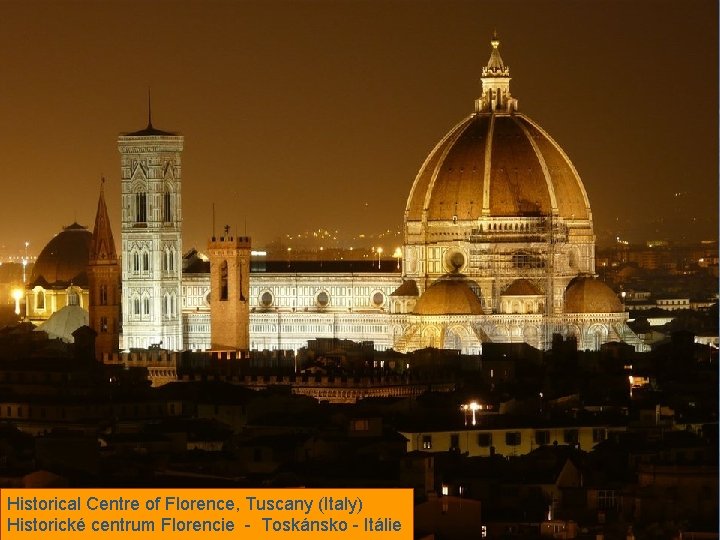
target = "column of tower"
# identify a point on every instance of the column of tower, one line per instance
(104, 283)
(151, 176)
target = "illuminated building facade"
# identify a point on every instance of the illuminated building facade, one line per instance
(498, 247)
(151, 179)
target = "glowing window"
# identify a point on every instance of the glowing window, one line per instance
(40, 300)
(224, 280)
(73, 298)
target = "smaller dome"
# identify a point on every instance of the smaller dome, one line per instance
(64, 322)
(408, 288)
(588, 295)
(64, 259)
(449, 296)
(522, 287)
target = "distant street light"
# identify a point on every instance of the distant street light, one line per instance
(379, 253)
(398, 255)
(25, 261)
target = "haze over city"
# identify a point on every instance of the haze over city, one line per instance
(301, 116)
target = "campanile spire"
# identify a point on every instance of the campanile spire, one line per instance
(104, 283)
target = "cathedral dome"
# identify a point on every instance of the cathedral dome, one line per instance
(64, 259)
(496, 163)
(588, 295)
(449, 296)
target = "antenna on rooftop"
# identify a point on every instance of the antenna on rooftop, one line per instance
(149, 110)
(213, 221)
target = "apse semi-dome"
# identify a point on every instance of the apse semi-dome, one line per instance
(63, 261)
(522, 287)
(589, 295)
(451, 295)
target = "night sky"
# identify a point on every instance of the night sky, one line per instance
(305, 115)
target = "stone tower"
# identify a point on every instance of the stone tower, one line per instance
(104, 283)
(151, 175)
(229, 290)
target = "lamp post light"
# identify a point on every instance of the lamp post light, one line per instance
(473, 407)
(379, 253)
(17, 295)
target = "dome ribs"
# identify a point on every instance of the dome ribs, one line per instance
(517, 181)
(457, 188)
(418, 193)
(570, 194)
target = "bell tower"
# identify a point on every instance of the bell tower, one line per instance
(151, 172)
(229, 290)
(104, 283)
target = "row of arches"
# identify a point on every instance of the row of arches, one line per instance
(142, 305)
(73, 297)
(140, 260)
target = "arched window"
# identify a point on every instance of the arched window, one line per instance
(172, 305)
(141, 207)
(136, 306)
(240, 285)
(40, 300)
(223, 280)
(171, 260)
(103, 295)
(146, 306)
(167, 207)
(146, 262)
(136, 262)
(73, 298)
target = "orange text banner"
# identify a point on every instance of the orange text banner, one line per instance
(207, 514)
